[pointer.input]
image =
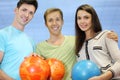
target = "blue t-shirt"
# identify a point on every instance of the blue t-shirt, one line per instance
(15, 45)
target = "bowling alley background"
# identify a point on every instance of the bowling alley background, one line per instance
(108, 12)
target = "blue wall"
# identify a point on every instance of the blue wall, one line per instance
(108, 12)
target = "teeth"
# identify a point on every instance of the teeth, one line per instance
(24, 19)
(83, 26)
(55, 28)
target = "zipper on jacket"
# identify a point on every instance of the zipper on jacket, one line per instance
(86, 51)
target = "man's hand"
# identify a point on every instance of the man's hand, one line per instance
(112, 35)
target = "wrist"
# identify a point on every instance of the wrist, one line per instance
(112, 72)
(108, 75)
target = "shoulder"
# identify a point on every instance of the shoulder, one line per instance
(102, 34)
(70, 37)
(69, 40)
(4, 32)
(41, 43)
(41, 46)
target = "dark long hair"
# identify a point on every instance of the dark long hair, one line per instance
(80, 35)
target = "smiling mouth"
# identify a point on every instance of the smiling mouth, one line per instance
(55, 28)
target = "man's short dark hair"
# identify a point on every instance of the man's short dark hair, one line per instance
(31, 2)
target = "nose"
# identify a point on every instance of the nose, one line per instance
(82, 20)
(54, 22)
(26, 14)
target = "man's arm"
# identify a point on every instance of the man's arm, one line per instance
(1, 56)
(3, 76)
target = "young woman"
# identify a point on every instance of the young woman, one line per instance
(92, 44)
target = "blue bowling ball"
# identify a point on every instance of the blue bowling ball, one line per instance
(85, 69)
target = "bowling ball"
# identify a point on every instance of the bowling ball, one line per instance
(57, 69)
(85, 69)
(34, 68)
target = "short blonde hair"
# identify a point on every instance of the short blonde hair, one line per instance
(50, 10)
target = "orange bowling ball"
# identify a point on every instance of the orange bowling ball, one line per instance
(57, 69)
(34, 68)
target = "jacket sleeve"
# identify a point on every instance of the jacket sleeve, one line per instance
(114, 52)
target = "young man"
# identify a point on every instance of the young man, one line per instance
(14, 43)
(57, 46)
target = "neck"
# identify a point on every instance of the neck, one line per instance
(18, 26)
(89, 34)
(56, 40)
